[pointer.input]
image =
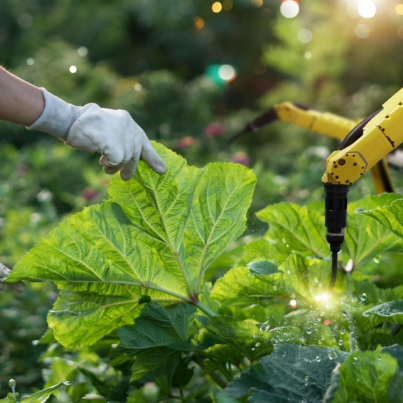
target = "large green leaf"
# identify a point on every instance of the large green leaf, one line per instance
(156, 237)
(365, 238)
(391, 311)
(364, 377)
(302, 229)
(292, 374)
(299, 229)
(297, 274)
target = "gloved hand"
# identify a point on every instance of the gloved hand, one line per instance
(112, 133)
(19, 286)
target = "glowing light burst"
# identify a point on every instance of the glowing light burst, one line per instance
(289, 8)
(318, 298)
(293, 303)
(366, 8)
(73, 69)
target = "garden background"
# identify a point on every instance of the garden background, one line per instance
(162, 61)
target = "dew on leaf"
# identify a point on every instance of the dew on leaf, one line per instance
(344, 313)
(332, 355)
(356, 358)
(309, 331)
(253, 349)
(377, 259)
(380, 362)
(379, 357)
(307, 378)
(283, 240)
(340, 343)
(363, 297)
(317, 358)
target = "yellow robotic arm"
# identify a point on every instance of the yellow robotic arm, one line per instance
(366, 145)
(324, 123)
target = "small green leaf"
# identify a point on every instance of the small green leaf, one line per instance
(364, 377)
(291, 374)
(158, 326)
(41, 395)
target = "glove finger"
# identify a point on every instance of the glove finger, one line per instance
(2, 286)
(113, 170)
(19, 287)
(150, 156)
(127, 172)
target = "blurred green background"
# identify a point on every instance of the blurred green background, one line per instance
(163, 62)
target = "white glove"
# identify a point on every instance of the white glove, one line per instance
(112, 133)
(4, 272)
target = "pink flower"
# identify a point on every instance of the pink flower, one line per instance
(89, 193)
(241, 158)
(185, 142)
(214, 129)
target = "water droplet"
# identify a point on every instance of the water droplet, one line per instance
(257, 344)
(363, 297)
(340, 343)
(316, 280)
(255, 336)
(319, 341)
(380, 362)
(315, 322)
(306, 383)
(309, 331)
(284, 241)
(355, 358)
(307, 378)
(253, 349)
(264, 328)
(379, 357)
(317, 358)
(377, 259)
(344, 313)
(287, 246)
(332, 355)
(275, 288)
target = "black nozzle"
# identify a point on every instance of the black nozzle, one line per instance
(335, 220)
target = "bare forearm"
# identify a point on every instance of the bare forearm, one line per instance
(20, 102)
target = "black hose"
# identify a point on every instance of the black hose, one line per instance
(334, 271)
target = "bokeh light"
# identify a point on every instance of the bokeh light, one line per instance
(305, 35)
(318, 298)
(362, 31)
(289, 8)
(138, 87)
(30, 61)
(308, 55)
(366, 8)
(257, 3)
(227, 72)
(293, 303)
(399, 9)
(82, 51)
(73, 69)
(199, 22)
(227, 5)
(216, 7)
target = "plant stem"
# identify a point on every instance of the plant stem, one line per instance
(216, 378)
(205, 309)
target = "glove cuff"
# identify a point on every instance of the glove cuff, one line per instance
(57, 117)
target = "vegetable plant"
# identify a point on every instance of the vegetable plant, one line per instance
(136, 322)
